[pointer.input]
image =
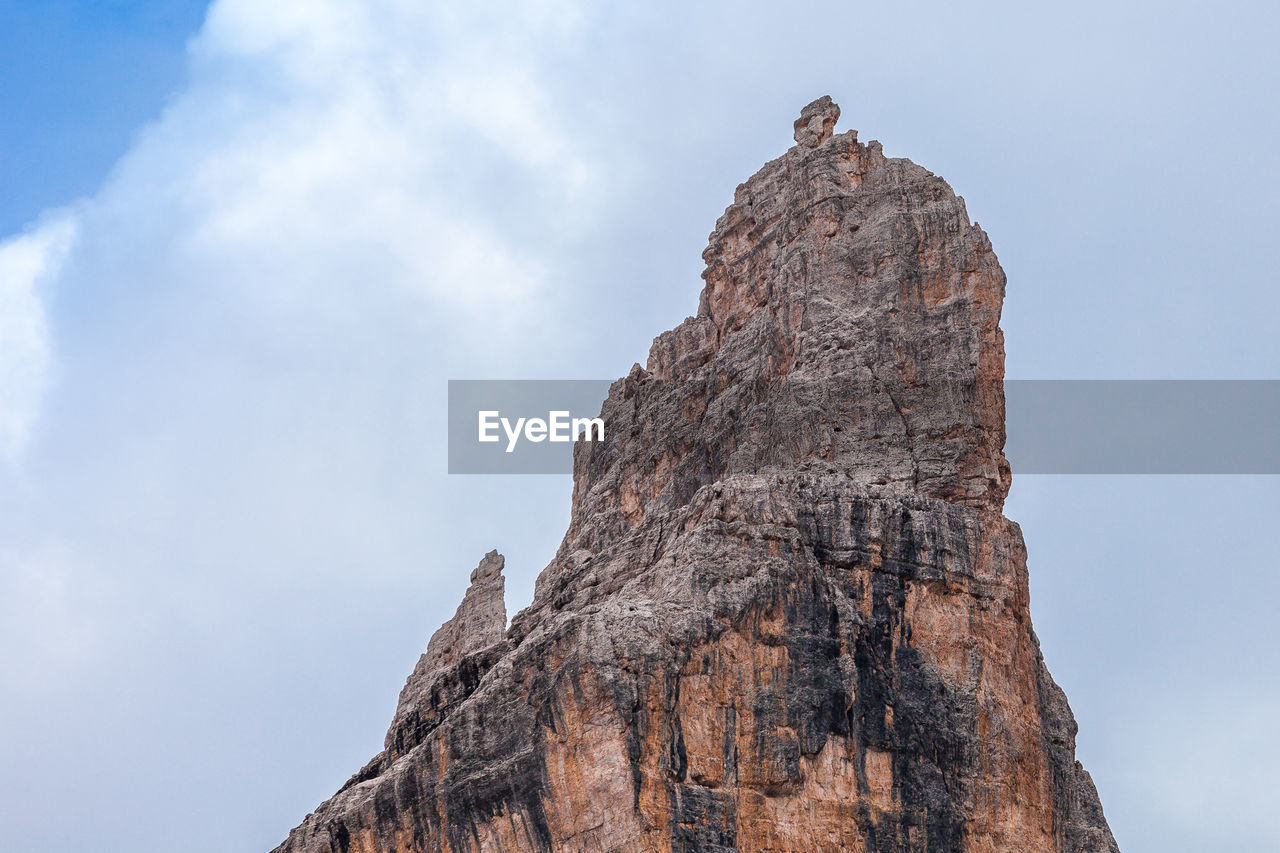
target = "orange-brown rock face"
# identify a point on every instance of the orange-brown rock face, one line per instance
(788, 614)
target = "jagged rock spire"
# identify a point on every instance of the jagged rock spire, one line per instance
(480, 620)
(477, 628)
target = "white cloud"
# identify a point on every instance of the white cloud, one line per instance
(325, 158)
(253, 318)
(251, 321)
(380, 132)
(27, 263)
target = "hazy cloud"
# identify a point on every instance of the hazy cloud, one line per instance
(27, 264)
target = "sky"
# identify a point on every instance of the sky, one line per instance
(244, 246)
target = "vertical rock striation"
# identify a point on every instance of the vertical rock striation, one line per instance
(788, 614)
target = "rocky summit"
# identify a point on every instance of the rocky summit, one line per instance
(788, 613)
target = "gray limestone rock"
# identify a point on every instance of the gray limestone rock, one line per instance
(788, 613)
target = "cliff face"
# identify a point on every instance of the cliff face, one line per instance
(788, 614)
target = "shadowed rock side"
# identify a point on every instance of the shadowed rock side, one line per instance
(788, 614)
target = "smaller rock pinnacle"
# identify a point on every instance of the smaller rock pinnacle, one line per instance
(816, 122)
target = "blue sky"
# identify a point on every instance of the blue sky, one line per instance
(80, 78)
(241, 256)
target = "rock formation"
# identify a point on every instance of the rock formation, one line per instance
(788, 614)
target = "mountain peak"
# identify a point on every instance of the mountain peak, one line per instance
(788, 613)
